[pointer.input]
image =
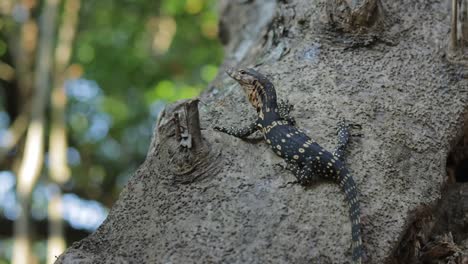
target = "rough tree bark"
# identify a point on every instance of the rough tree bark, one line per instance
(382, 64)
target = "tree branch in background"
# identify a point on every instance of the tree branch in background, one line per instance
(24, 45)
(15, 133)
(7, 73)
(33, 156)
(59, 172)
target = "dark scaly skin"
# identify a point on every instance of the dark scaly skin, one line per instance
(307, 160)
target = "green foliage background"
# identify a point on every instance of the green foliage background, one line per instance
(130, 57)
(114, 48)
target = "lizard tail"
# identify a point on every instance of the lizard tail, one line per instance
(349, 188)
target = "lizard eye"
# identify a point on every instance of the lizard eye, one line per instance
(242, 72)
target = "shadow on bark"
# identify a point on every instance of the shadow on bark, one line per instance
(439, 234)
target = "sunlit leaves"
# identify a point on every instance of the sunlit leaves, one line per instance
(209, 25)
(173, 7)
(115, 107)
(208, 72)
(140, 55)
(164, 90)
(170, 91)
(163, 30)
(188, 91)
(193, 6)
(85, 53)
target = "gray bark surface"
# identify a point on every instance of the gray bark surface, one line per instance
(230, 203)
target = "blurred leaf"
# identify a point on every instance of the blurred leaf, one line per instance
(79, 123)
(137, 55)
(116, 108)
(208, 73)
(193, 6)
(164, 90)
(85, 53)
(187, 91)
(173, 7)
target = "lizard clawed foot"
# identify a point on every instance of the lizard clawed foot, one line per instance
(344, 126)
(285, 105)
(282, 167)
(292, 182)
(355, 126)
(289, 183)
(284, 109)
(220, 129)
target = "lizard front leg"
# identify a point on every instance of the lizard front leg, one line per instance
(284, 110)
(242, 132)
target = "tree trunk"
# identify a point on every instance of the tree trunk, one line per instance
(59, 172)
(383, 65)
(31, 163)
(24, 45)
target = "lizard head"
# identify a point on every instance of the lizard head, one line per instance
(251, 83)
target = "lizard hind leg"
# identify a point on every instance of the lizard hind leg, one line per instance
(343, 139)
(304, 175)
(344, 135)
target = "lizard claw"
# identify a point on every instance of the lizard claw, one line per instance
(288, 183)
(345, 126)
(285, 103)
(292, 182)
(355, 126)
(281, 166)
(217, 128)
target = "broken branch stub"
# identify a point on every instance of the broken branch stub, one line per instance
(453, 26)
(458, 41)
(179, 136)
(356, 16)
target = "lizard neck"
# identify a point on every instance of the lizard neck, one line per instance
(268, 112)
